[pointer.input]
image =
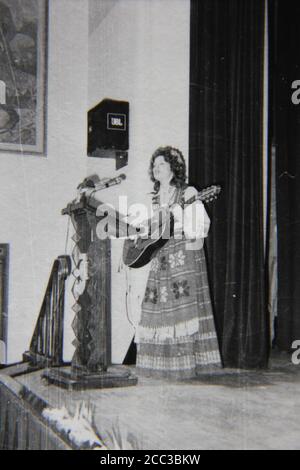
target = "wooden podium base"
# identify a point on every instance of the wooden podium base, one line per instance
(65, 377)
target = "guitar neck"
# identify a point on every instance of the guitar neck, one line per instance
(206, 195)
(191, 200)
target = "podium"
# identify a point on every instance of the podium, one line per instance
(91, 268)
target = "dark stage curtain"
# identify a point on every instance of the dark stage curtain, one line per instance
(285, 68)
(226, 102)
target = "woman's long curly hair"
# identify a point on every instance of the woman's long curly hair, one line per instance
(177, 164)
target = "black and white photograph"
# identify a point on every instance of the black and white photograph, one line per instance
(149, 235)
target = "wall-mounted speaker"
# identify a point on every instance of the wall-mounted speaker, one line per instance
(108, 127)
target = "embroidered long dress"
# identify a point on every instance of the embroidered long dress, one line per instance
(176, 336)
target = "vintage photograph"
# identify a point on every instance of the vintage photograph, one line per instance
(149, 266)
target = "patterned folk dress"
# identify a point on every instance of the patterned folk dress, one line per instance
(176, 336)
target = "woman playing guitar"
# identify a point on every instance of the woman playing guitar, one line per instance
(176, 336)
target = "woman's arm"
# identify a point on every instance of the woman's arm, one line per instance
(192, 219)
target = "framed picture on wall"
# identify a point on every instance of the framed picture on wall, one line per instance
(4, 260)
(23, 75)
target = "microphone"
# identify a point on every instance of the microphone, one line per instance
(111, 182)
(89, 182)
(94, 183)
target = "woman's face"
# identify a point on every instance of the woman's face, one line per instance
(162, 170)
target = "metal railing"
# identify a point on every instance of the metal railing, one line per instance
(46, 347)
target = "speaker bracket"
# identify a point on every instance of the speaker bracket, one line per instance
(120, 156)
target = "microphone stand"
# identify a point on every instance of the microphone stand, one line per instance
(91, 365)
(88, 187)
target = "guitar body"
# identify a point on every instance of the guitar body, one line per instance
(137, 253)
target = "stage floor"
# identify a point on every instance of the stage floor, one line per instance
(229, 409)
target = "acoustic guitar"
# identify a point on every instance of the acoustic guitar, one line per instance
(139, 250)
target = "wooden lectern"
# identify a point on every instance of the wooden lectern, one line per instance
(91, 257)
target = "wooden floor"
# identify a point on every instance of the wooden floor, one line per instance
(227, 410)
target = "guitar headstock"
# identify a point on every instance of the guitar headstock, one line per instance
(210, 193)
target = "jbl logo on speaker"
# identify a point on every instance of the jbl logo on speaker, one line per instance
(116, 122)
